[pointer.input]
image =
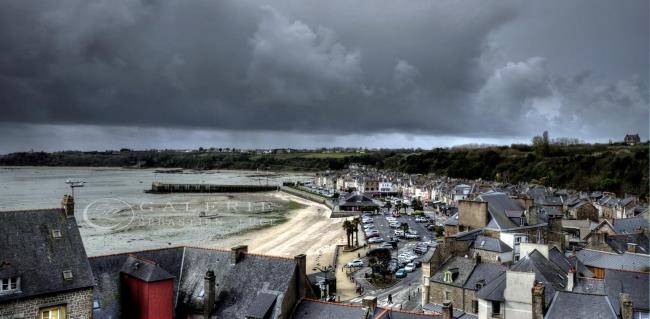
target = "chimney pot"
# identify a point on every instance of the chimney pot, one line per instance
(447, 310)
(68, 206)
(538, 306)
(236, 253)
(626, 306)
(209, 293)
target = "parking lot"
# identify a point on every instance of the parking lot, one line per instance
(406, 253)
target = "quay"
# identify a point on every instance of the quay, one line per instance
(157, 187)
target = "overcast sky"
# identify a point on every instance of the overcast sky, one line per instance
(106, 74)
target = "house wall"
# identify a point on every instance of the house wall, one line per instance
(79, 305)
(586, 211)
(437, 294)
(472, 214)
(517, 294)
(485, 309)
(491, 256)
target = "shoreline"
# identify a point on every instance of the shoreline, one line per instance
(198, 171)
(308, 231)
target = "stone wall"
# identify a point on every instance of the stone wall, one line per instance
(472, 214)
(79, 305)
(437, 294)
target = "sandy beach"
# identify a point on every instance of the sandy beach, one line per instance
(308, 230)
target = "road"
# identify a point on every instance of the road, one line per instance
(406, 293)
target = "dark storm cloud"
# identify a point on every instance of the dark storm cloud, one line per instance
(443, 68)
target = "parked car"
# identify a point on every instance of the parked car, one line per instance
(374, 240)
(371, 234)
(411, 236)
(367, 220)
(400, 273)
(355, 263)
(410, 267)
(399, 233)
(421, 219)
(393, 225)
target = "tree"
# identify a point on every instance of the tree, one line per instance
(404, 227)
(416, 204)
(382, 257)
(347, 226)
(355, 223)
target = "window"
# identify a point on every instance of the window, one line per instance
(67, 274)
(496, 307)
(448, 277)
(8, 285)
(56, 312)
(447, 295)
(517, 240)
(56, 233)
(516, 257)
(475, 306)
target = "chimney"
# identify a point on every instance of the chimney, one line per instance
(425, 290)
(68, 205)
(370, 303)
(631, 247)
(209, 293)
(478, 259)
(538, 301)
(626, 306)
(447, 310)
(571, 279)
(236, 253)
(301, 282)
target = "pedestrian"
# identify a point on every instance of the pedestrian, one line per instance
(390, 298)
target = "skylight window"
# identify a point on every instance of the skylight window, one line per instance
(56, 233)
(67, 274)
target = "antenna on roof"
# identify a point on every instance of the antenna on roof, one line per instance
(74, 184)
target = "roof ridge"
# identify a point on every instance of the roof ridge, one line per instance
(135, 251)
(38, 210)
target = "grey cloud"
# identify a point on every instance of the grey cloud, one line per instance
(429, 68)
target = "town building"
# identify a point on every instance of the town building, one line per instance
(44, 271)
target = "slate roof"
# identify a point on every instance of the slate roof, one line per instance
(484, 272)
(592, 286)
(144, 270)
(29, 250)
(494, 289)
(465, 266)
(452, 221)
(606, 260)
(629, 225)
(559, 259)
(498, 204)
(619, 243)
(240, 286)
(261, 306)
(457, 313)
(315, 309)
(545, 271)
(571, 305)
(490, 244)
(633, 283)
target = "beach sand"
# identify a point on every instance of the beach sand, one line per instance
(307, 231)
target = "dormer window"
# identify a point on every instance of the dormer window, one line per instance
(9, 285)
(67, 275)
(56, 233)
(448, 277)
